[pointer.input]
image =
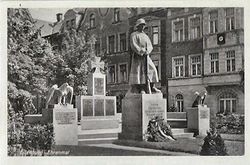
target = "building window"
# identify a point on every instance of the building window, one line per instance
(227, 103)
(111, 44)
(92, 20)
(230, 60)
(178, 67)
(214, 62)
(178, 30)
(97, 47)
(230, 18)
(213, 21)
(111, 74)
(123, 42)
(194, 27)
(123, 73)
(195, 63)
(155, 35)
(116, 15)
(179, 102)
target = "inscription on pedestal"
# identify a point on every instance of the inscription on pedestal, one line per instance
(154, 109)
(99, 86)
(99, 107)
(65, 117)
(87, 107)
(203, 114)
(110, 107)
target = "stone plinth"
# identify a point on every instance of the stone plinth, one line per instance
(137, 110)
(97, 112)
(65, 125)
(198, 119)
(97, 84)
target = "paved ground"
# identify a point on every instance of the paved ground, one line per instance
(116, 150)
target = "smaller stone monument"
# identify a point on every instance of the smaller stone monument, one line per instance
(65, 125)
(96, 110)
(198, 117)
(56, 96)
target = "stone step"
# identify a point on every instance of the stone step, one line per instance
(176, 115)
(177, 123)
(184, 135)
(96, 136)
(179, 130)
(82, 142)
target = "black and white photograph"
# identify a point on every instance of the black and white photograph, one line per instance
(125, 81)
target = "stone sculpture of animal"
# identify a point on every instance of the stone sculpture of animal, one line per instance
(60, 93)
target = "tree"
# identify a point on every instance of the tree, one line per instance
(76, 53)
(30, 61)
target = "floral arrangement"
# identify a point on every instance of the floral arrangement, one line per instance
(158, 131)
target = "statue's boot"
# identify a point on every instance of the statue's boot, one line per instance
(154, 89)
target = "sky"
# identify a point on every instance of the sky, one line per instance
(47, 14)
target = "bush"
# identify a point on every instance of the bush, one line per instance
(213, 144)
(17, 150)
(28, 138)
(172, 109)
(231, 123)
(37, 137)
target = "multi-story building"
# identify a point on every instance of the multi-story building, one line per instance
(111, 30)
(51, 31)
(223, 36)
(183, 56)
(195, 50)
(205, 53)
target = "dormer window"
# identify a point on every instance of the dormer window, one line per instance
(92, 20)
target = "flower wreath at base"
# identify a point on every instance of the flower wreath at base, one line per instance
(158, 130)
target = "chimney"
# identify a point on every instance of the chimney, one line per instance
(59, 17)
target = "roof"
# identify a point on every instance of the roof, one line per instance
(46, 29)
(56, 27)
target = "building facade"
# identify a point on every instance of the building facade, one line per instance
(223, 37)
(184, 56)
(205, 53)
(195, 50)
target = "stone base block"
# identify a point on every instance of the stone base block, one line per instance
(198, 119)
(137, 110)
(65, 125)
(33, 119)
(99, 123)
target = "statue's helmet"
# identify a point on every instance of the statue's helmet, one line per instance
(140, 21)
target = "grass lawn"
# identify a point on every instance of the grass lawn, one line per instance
(234, 144)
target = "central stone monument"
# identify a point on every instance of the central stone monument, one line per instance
(137, 110)
(96, 110)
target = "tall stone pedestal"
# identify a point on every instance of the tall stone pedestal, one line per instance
(137, 110)
(65, 125)
(198, 119)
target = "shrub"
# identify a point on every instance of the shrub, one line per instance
(17, 150)
(172, 109)
(213, 144)
(37, 137)
(231, 123)
(28, 138)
